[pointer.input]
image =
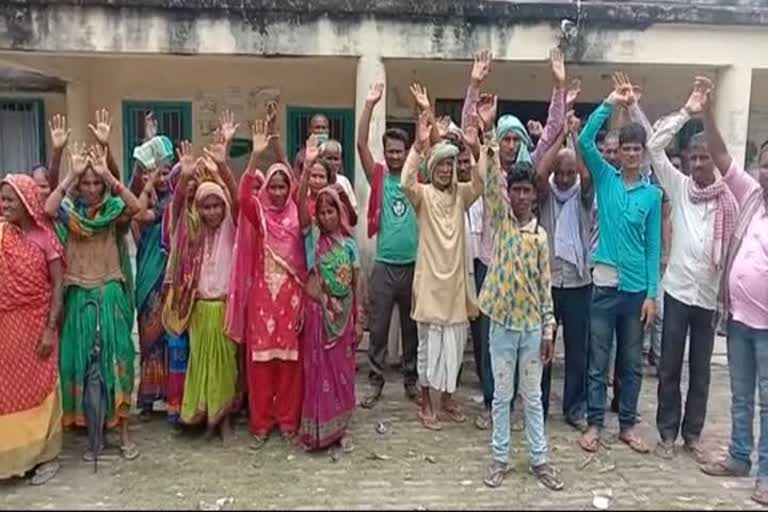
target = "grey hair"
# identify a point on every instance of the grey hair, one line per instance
(328, 144)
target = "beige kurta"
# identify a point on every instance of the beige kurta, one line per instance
(440, 292)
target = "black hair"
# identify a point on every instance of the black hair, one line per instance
(520, 172)
(632, 133)
(697, 139)
(396, 134)
(329, 173)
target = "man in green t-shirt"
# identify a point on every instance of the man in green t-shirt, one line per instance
(392, 218)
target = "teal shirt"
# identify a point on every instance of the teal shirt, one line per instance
(629, 216)
(398, 234)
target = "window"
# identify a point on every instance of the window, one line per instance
(342, 127)
(22, 135)
(174, 120)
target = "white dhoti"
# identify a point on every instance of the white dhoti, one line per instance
(441, 351)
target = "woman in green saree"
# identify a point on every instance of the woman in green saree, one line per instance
(92, 221)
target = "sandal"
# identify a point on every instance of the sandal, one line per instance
(129, 451)
(454, 414)
(696, 452)
(724, 467)
(495, 473)
(483, 421)
(634, 441)
(430, 422)
(590, 440)
(346, 445)
(372, 398)
(547, 475)
(258, 442)
(761, 494)
(289, 438)
(45, 472)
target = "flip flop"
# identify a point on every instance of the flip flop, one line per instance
(430, 422)
(454, 414)
(635, 442)
(258, 442)
(495, 474)
(129, 451)
(590, 441)
(45, 472)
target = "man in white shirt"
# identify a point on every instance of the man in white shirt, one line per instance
(703, 217)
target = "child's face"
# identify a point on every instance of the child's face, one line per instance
(212, 210)
(327, 214)
(521, 196)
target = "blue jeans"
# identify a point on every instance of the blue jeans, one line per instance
(619, 312)
(507, 347)
(747, 364)
(480, 327)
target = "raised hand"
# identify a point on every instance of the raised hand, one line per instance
(572, 123)
(419, 93)
(217, 151)
(186, 158)
(623, 91)
(150, 126)
(535, 129)
(574, 89)
(699, 100)
(481, 67)
(98, 158)
(486, 110)
(422, 131)
(271, 120)
(443, 125)
(557, 64)
(375, 92)
(208, 163)
(78, 159)
(260, 136)
(228, 126)
(311, 150)
(103, 126)
(59, 131)
(472, 133)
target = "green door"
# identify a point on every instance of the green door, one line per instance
(174, 120)
(342, 124)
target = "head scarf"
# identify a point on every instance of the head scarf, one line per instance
(509, 123)
(27, 191)
(335, 193)
(214, 280)
(279, 235)
(440, 152)
(186, 259)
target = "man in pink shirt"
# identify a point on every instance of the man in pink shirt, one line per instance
(743, 302)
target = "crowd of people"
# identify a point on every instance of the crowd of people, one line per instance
(249, 295)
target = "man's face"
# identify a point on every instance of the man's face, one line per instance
(394, 154)
(566, 170)
(521, 195)
(631, 155)
(701, 165)
(319, 125)
(442, 174)
(464, 166)
(508, 147)
(610, 151)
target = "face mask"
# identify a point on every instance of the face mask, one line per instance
(322, 138)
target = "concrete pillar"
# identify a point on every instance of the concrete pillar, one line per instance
(371, 69)
(733, 92)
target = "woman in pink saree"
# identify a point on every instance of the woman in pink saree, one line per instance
(332, 323)
(266, 295)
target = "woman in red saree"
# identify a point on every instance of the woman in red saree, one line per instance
(30, 303)
(266, 296)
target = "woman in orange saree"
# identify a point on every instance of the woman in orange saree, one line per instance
(30, 304)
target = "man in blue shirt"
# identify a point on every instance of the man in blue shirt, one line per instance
(626, 271)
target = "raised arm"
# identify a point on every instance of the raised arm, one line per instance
(78, 162)
(217, 153)
(248, 206)
(187, 161)
(573, 125)
(480, 70)
(409, 176)
(546, 164)
(470, 192)
(556, 115)
(312, 154)
(59, 138)
(273, 134)
(101, 132)
(228, 129)
(363, 148)
(666, 128)
(146, 214)
(100, 166)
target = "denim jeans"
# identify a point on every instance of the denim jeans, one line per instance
(615, 311)
(572, 312)
(507, 348)
(480, 327)
(679, 320)
(748, 364)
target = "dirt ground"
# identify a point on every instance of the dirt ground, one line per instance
(406, 467)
